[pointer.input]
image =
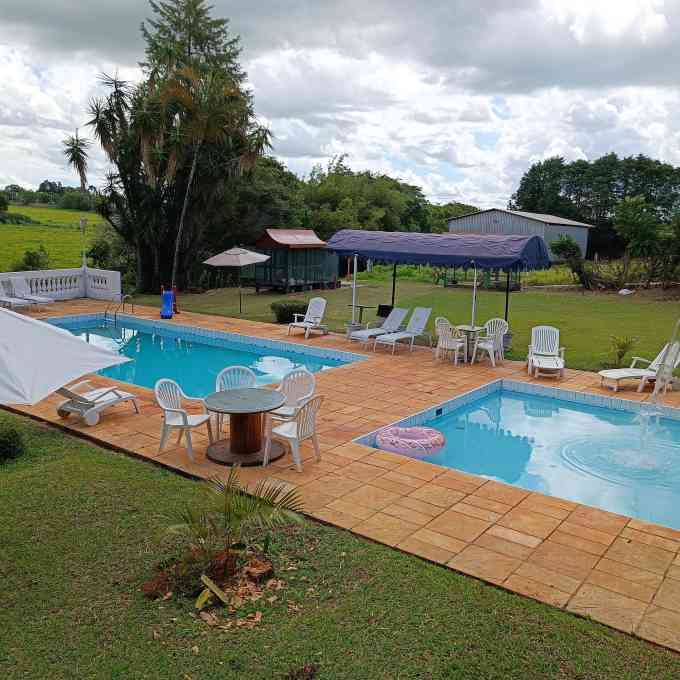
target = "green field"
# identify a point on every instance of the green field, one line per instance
(82, 528)
(587, 320)
(58, 230)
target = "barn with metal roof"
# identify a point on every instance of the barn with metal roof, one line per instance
(520, 223)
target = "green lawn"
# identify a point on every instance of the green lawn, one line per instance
(80, 530)
(58, 230)
(587, 320)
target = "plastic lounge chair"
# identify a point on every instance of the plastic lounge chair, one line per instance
(233, 378)
(391, 324)
(170, 397)
(414, 329)
(311, 321)
(89, 405)
(492, 342)
(449, 339)
(21, 290)
(612, 377)
(545, 342)
(297, 430)
(8, 299)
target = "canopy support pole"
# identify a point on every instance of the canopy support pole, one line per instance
(474, 297)
(354, 289)
(240, 302)
(507, 295)
(394, 282)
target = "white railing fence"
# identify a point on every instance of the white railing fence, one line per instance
(68, 284)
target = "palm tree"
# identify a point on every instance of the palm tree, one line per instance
(75, 149)
(211, 109)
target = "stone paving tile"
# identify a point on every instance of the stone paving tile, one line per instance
(607, 607)
(484, 564)
(640, 555)
(535, 590)
(458, 526)
(621, 571)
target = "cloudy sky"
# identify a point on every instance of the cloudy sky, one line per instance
(456, 96)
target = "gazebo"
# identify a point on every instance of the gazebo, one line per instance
(299, 260)
(508, 253)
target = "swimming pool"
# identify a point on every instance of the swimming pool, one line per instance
(604, 452)
(194, 356)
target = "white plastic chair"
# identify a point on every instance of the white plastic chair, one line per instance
(545, 342)
(492, 342)
(170, 397)
(298, 387)
(296, 431)
(449, 339)
(312, 319)
(233, 378)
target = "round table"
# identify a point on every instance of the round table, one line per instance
(245, 407)
(471, 333)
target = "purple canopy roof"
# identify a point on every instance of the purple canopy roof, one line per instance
(486, 251)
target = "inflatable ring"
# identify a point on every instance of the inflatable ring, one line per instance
(410, 441)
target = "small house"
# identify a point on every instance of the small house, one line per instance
(299, 260)
(516, 222)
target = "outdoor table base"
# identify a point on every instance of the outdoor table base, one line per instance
(222, 451)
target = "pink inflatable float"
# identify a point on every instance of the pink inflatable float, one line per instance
(410, 441)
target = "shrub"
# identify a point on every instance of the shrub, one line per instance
(32, 260)
(11, 443)
(284, 311)
(620, 346)
(4, 203)
(75, 200)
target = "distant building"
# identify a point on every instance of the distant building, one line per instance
(499, 221)
(299, 260)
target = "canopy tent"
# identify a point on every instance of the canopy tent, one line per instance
(481, 251)
(37, 358)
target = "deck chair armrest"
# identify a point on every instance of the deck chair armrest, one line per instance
(112, 390)
(181, 411)
(297, 317)
(640, 360)
(562, 351)
(74, 387)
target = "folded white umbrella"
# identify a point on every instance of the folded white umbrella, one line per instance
(236, 257)
(37, 358)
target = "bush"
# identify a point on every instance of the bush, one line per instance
(75, 200)
(4, 203)
(284, 311)
(33, 260)
(11, 443)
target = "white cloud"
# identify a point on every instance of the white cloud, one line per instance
(459, 99)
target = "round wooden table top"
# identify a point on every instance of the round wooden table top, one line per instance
(245, 400)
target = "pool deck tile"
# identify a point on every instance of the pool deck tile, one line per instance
(620, 571)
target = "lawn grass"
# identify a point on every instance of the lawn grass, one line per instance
(80, 530)
(58, 230)
(586, 320)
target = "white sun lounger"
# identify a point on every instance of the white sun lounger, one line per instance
(89, 405)
(414, 329)
(15, 303)
(312, 319)
(613, 376)
(545, 353)
(391, 324)
(21, 290)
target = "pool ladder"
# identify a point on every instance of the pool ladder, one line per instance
(120, 307)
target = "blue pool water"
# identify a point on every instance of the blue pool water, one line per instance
(159, 351)
(618, 460)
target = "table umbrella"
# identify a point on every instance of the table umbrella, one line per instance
(236, 257)
(37, 358)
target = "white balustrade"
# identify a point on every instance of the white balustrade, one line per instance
(68, 284)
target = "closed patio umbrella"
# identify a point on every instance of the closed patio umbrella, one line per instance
(37, 358)
(236, 257)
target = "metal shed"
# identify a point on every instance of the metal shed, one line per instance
(299, 260)
(516, 222)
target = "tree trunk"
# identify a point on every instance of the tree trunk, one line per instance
(185, 205)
